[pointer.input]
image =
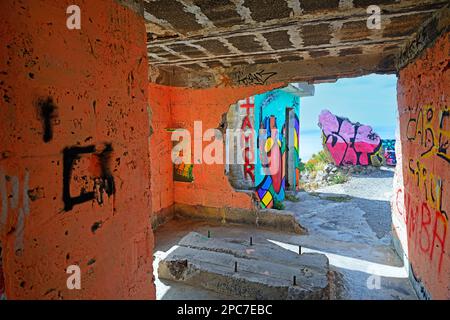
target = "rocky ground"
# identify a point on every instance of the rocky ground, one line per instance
(332, 174)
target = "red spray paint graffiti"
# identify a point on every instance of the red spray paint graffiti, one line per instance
(427, 229)
(426, 218)
(249, 167)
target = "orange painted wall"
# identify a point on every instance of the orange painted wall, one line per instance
(425, 135)
(96, 78)
(159, 101)
(210, 187)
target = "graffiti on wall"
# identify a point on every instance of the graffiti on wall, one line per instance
(92, 183)
(259, 77)
(427, 226)
(435, 142)
(269, 159)
(426, 215)
(248, 132)
(296, 136)
(270, 169)
(183, 172)
(389, 151)
(272, 147)
(350, 143)
(182, 166)
(14, 197)
(293, 147)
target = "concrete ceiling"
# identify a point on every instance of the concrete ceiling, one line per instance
(219, 37)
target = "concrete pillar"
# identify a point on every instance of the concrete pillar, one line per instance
(74, 166)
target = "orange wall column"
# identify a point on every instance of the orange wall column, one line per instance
(423, 101)
(83, 91)
(159, 100)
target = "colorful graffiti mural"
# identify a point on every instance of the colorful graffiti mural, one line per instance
(272, 147)
(270, 138)
(183, 172)
(350, 143)
(434, 141)
(272, 130)
(389, 151)
(296, 145)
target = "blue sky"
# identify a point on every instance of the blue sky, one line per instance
(370, 100)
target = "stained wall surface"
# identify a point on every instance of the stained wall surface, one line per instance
(423, 100)
(74, 166)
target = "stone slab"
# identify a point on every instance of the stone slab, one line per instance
(263, 272)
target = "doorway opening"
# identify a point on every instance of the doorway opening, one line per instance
(348, 133)
(317, 153)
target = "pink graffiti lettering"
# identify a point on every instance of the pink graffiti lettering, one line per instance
(350, 143)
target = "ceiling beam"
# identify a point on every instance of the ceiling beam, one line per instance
(311, 70)
(425, 37)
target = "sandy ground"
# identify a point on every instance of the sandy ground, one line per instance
(350, 223)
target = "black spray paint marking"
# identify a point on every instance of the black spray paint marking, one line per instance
(260, 77)
(104, 183)
(47, 112)
(69, 156)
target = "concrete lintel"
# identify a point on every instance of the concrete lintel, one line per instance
(309, 70)
(180, 77)
(301, 89)
(425, 37)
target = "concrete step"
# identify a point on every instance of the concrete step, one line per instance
(265, 251)
(264, 271)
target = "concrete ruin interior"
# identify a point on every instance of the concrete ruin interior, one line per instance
(86, 175)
